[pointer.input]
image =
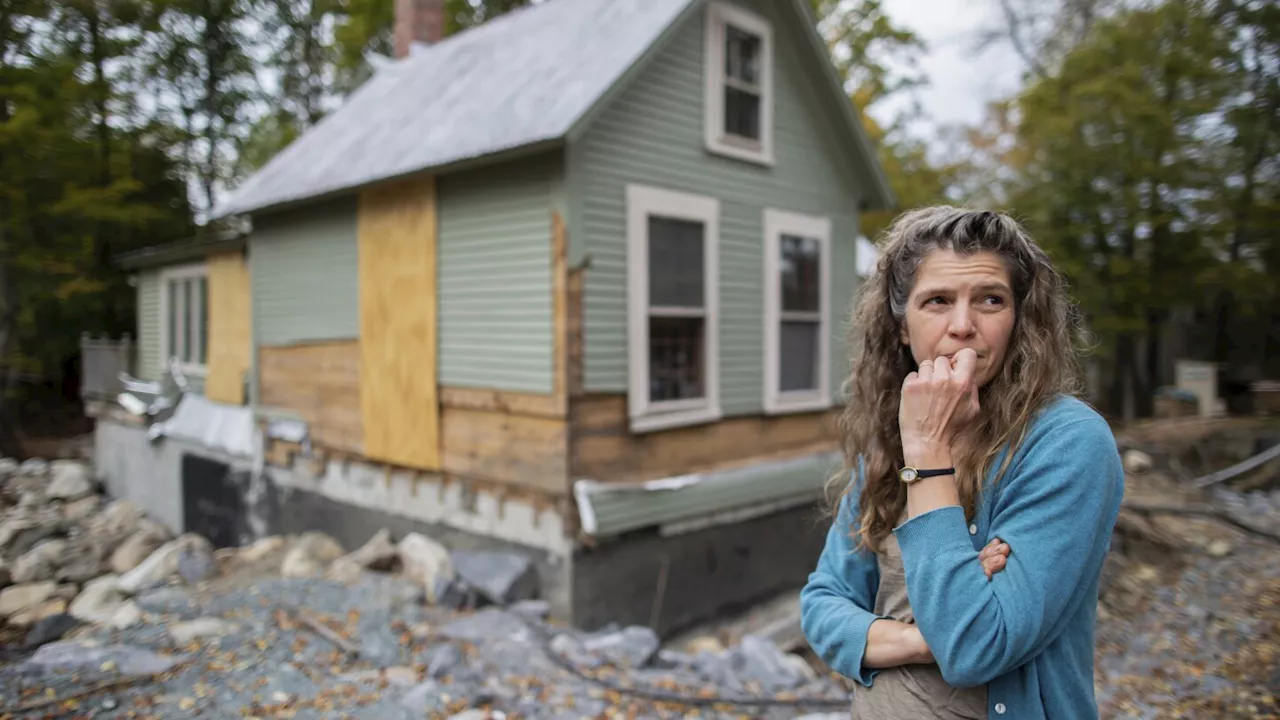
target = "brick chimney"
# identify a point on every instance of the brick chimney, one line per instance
(417, 21)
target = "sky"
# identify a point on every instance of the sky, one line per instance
(962, 78)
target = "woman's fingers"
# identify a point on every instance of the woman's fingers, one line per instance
(994, 557)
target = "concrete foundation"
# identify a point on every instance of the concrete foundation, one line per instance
(669, 581)
(673, 582)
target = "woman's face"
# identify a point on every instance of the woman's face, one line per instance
(957, 302)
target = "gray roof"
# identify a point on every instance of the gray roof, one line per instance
(521, 79)
(531, 77)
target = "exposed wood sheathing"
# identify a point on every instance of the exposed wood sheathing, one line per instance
(605, 450)
(230, 332)
(321, 383)
(397, 257)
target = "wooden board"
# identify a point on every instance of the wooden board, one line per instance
(397, 256)
(321, 383)
(604, 449)
(559, 313)
(501, 401)
(230, 337)
(499, 447)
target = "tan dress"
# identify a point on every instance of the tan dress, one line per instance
(910, 692)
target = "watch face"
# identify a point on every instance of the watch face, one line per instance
(908, 474)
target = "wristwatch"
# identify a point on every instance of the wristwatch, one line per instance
(909, 475)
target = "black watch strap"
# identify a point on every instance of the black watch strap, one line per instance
(935, 473)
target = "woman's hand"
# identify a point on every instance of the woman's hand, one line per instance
(918, 651)
(993, 557)
(937, 400)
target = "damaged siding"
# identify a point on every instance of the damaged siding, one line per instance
(652, 134)
(304, 274)
(495, 276)
(148, 352)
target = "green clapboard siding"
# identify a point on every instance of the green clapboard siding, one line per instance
(495, 275)
(148, 358)
(304, 274)
(621, 508)
(652, 134)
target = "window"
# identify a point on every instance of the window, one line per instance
(739, 79)
(673, 308)
(797, 291)
(184, 317)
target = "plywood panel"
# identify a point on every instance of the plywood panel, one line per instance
(516, 450)
(397, 258)
(321, 383)
(604, 449)
(230, 339)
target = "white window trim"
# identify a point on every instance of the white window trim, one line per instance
(718, 14)
(180, 272)
(641, 203)
(776, 223)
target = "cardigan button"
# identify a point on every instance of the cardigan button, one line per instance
(973, 529)
(1000, 708)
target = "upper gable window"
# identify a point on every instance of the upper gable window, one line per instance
(739, 92)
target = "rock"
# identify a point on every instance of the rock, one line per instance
(78, 510)
(310, 555)
(40, 562)
(136, 548)
(377, 553)
(260, 549)
(488, 624)
(532, 609)
(345, 570)
(163, 563)
(127, 615)
(8, 466)
(98, 601)
(28, 526)
(1136, 461)
(478, 714)
(502, 577)
(69, 656)
(117, 521)
(1219, 548)
(425, 562)
(34, 467)
(196, 564)
(33, 615)
(66, 591)
(630, 647)
(17, 598)
(442, 660)
(185, 632)
(6, 573)
(398, 675)
(50, 628)
(705, 643)
(83, 564)
(758, 660)
(71, 480)
(457, 594)
(425, 699)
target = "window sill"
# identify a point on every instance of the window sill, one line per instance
(798, 403)
(674, 419)
(732, 150)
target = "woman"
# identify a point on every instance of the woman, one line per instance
(960, 575)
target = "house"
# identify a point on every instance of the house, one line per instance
(573, 282)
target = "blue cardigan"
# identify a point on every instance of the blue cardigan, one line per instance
(1028, 633)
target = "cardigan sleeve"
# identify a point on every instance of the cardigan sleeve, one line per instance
(1056, 511)
(836, 602)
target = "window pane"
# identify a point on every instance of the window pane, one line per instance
(675, 358)
(799, 264)
(174, 311)
(741, 113)
(799, 367)
(186, 324)
(202, 316)
(741, 55)
(675, 263)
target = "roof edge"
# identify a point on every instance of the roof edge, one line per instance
(182, 250)
(884, 193)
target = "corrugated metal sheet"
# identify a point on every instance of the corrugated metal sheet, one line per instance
(149, 325)
(608, 509)
(495, 276)
(653, 134)
(518, 80)
(303, 267)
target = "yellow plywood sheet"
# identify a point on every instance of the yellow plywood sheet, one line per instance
(230, 341)
(397, 256)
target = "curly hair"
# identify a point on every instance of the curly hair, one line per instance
(1041, 362)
